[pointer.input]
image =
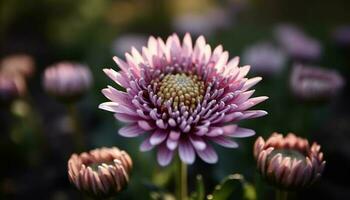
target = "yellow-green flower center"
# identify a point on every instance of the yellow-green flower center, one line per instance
(182, 89)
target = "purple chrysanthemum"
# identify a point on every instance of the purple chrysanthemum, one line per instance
(182, 97)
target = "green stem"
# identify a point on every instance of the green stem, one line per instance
(181, 178)
(77, 131)
(281, 194)
(258, 186)
(35, 120)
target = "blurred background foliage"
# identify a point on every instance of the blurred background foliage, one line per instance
(87, 31)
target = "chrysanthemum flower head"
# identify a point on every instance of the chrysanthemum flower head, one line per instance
(182, 97)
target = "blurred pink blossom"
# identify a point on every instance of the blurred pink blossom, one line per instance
(297, 44)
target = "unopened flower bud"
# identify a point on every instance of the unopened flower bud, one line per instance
(10, 88)
(100, 173)
(288, 162)
(315, 83)
(67, 81)
(18, 65)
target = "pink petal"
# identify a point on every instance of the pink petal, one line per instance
(109, 106)
(206, 54)
(175, 47)
(243, 71)
(244, 96)
(251, 82)
(232, 117)
(215, 132)
(229, 130)
(152, 45)
(243, 132)
(116, 95)
(173, 140)
(162, 50)
(197, 142)
(158, 136)
(172, 144)
(125, 117)
(223, 141)
(201, 130)
(117, 77)
(136, 55)
(123, 65)
(233, 63)
(198, 48)
(147, 56)
(132, 63)
(186, 152)
(111, 73)
(222, 61)
(146, 145)
(164, 156)
(117, 108)
(216, 53)
(160, 123)
(208, 155)
(145, 125)
(132, 130)
(187, 46)
(252, 102)
(167, 50)
(250, 114)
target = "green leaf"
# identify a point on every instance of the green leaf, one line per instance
(199, 194)
(230, 187)
(249, 191)
(162, 177)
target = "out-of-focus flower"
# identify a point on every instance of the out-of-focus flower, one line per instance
(207, 22)
(288, 162)
(101, 172)
(67, 81)
(314, 83)
(341, 36)
(18, 65)
(124, 43)
(10, 88)
(297, 44)
(183, 96)
(265, 58)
